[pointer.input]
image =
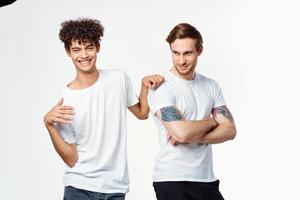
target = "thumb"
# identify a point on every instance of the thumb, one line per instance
(148, 83)
(60, 102)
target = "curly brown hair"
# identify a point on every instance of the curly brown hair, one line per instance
(83, 29)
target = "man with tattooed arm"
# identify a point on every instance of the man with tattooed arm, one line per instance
(190, 113)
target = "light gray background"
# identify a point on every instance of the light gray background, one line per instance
(250, 48)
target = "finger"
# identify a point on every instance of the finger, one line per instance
(146, 83)
(60, 102)
(65, 121)
(161, 79)
(66, 108)
(149, 84)
(154, 82)
(169, 136)
(61, 120)
(154, 85)
(63, 116)
(173, 142)
(66, 117)
(157, 81)
(155, 78)
(67, 112)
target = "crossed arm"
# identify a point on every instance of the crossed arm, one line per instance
(225, 130)
(209, 130)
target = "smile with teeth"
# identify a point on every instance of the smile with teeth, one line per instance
(85, 62)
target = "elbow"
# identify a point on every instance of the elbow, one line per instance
(232, 134)
(143, 117)
(182, 139)
(71, 159)
(71, 162)
(143, 114)
(179, 135)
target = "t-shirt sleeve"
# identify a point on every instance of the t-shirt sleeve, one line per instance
(161, 97)
(66, 131)
(131, 97)
(217, 95)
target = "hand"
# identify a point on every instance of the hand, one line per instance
(153, 81)
(171, 140)
(212, 121)
(59, 113)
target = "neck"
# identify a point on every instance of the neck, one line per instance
(84, 80)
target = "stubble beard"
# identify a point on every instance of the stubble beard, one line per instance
(184, 73)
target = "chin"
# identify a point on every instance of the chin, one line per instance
(184, 72)
(86, 69)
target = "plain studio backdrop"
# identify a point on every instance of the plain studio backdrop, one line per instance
(250, 48)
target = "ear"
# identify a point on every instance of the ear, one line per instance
(67, 51)
(199, 51)
(98, 47)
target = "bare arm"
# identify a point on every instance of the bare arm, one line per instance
(226, 129)
(184, 131)
(141, 109)
(61, 114)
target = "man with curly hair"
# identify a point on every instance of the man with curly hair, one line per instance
(88, 124)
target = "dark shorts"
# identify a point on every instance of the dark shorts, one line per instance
(185, 190)
(72, 193)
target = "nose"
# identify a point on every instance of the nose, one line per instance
(84, 54)
(182, 60)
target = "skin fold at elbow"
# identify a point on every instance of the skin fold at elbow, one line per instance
(71, 159)
(179, 135)
(233, 134)
(143, 117)
(71, 162)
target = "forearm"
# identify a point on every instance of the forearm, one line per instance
(143, 102)
(67, 152)
(226, 129)
(141, 109)
(191, 131)
(221, 133)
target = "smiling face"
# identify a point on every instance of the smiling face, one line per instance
(83, 55)
(185, 56)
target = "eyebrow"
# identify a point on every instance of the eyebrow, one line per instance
(183, 52)
(90, 45)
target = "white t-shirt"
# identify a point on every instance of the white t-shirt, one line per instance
(195, 99)
(99, 131)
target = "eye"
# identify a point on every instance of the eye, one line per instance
(176, 53)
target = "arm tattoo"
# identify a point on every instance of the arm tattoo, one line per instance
(224, 111)
(170, 113)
